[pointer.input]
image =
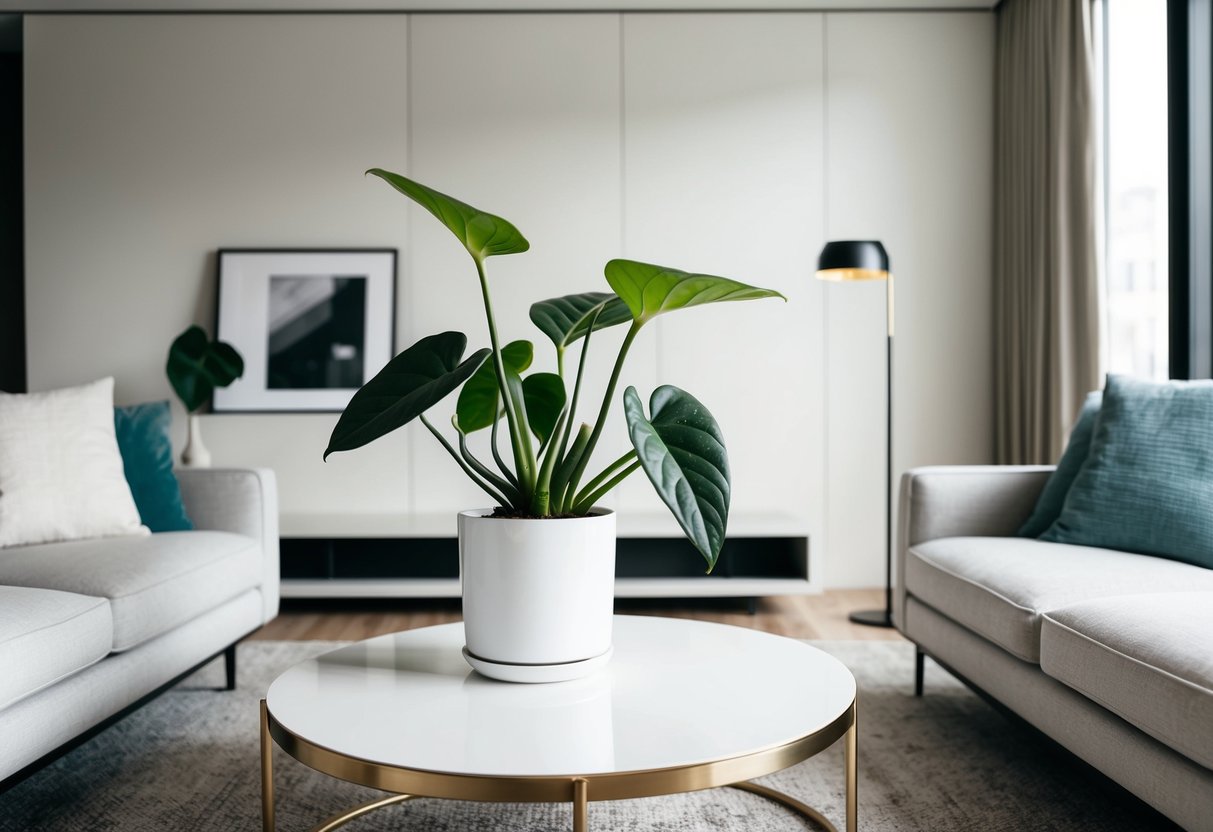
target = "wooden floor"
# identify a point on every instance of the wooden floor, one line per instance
(813, 616)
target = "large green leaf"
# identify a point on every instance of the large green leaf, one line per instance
(409, 385)
(568, 318)
(544, 395)
(649, 290)
(196, 366)
(479, 400)
(682, 452)
(482, 234)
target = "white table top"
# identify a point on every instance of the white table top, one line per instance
(677, 693)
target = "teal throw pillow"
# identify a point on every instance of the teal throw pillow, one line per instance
(1147, 484)
(1051, 499)
(147, 459)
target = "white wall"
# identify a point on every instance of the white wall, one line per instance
(728, 143)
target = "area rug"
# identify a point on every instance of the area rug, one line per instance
(189, 761)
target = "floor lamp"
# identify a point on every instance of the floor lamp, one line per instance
(845, 261)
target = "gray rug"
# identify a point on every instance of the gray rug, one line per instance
(189, 761)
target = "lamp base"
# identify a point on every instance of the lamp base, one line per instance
(872, 618)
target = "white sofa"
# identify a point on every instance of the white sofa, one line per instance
(1108, 653)
(91, 629)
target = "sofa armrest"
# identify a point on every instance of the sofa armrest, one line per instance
(962, 501)
(243, 501)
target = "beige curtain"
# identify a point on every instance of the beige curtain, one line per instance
(1046, 298)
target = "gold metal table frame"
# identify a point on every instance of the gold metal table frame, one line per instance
(409, 784)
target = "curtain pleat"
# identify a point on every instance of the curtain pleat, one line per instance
(1046, 314)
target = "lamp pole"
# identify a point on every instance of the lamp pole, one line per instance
(855, 260)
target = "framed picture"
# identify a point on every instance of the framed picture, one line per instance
(313, 325)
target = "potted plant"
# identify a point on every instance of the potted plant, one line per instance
(196, 366)
(538, 568)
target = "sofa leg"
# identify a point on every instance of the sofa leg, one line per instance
(229, 666)
(919, 665)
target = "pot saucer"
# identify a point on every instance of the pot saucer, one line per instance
(537, 673)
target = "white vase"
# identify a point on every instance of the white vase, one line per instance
(537, 593)
(195, 454)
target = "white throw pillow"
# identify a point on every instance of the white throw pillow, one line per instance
(61, 472)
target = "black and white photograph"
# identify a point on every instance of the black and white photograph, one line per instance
(317, 331)
(313, 326)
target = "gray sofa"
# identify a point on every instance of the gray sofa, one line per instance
(90, 629)
(1108, 653)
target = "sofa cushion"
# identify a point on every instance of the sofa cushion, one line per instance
(1147, 483)
(147, 460)
(60, 470)
(999, 586)
(46, 636)
(1053, 495)
(1147, 658)
(153, 583)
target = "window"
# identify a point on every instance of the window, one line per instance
(1135, 177)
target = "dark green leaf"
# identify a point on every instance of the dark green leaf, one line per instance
(483, 235)
(196, 366)
(683, 454)
(544, 396)
(409, 385)
(479, 400)
(223, 363)
(566, 319)
(650, 290)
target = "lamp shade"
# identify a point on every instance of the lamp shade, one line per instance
(853, 260)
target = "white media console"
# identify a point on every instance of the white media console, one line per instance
(416, 556)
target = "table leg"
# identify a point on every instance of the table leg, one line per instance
(267, 772)
(581, 808)
(853, 775)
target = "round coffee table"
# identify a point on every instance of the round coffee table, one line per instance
(682, 706)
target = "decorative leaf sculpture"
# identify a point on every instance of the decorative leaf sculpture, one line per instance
(197, 366)
(544, 396)
(566, 319)
(482, 234)
(410, 384)
(650, 290)
(682, 451)
(479, 402)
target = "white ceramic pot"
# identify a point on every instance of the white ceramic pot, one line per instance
(537, 592)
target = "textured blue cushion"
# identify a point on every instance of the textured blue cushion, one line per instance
(1147, 484)
(1051, 499)
(147, 459)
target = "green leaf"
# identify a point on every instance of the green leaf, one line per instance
(479, 400)
(682, 452)
(409, 385)
(482, 234)
(196, 366)
(544, 396)
(650, 290)
(567, 318)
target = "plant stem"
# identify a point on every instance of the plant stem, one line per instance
(501, 484)
(523, 460)
(505, 469)
(610, 469)
(588, 503)
(585, 349)
(560, 480)
(606, 406)
(541, 501)
(501, 501)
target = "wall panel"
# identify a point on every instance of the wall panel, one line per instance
(723, 144)
(728, 143)
(910, 143)
(518, 115)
